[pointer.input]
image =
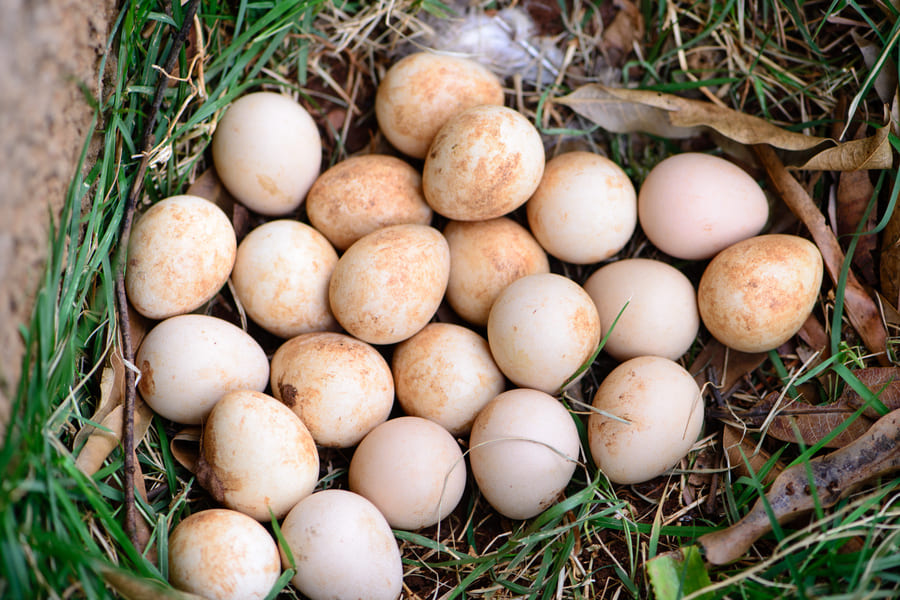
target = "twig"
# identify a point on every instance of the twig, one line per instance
(861, 309)
(121, 254)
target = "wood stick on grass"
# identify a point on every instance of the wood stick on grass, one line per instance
(121, 255)
(823, 481)
(861, 309)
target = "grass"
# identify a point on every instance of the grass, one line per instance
(793, 63)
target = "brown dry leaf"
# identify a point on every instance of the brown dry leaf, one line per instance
(884, 382)
(740, 449)
(854, 191)
(627, 111)
(889, 263)
(185, 447)
(812, 422)
(885, 82)
(101, 442)
(626, 28)
(728, 365)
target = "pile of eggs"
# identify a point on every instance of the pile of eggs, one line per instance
(364, 280)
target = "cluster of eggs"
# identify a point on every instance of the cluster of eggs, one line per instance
(368, 274)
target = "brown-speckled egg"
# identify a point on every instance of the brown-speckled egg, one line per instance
(364, 193)
(180, 253)
(339, 386)
(268, 152)
(256, 455)
(485, 257)
(420, 92)
(484, 163)
(388, 285)
(585, 208)
(693, 205)
(188, 362)
(756, 294)
(281, 277)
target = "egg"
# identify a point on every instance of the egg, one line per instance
(585, 208)
(256, 455)
(484, 163)
(281, 276)
(388, 285)
(340, 387)
(485, 257)
(664, 412)
(342, 548)
(180, 253)
(756, 294)
(541, 329)
(222, 554)
(693, 205)
(267, 152)
(421, 91)
(445, 373)
(410, 468)
(364, 193)
(658, 307)
(188, 362)
(523, 450)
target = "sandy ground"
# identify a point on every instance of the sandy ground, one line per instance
(47, 49)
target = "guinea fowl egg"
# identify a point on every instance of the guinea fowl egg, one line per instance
(256, 455)
(188, 362)
(268, 152)
(585, 208)
(180, 253)
(340, 387)
(541, 329)
(658, 307)
(342, 548)
(281, 277)
(483, 163)
(222, 554)
(388, 285)
(364, 193)
(445, 373)
(524, 449)
(756, 294)
(693, 205)
(410, 468)
(652, 413)
(420, 92)
(485, 257)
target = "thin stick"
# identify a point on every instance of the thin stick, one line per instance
(861, 309)
(121, 254)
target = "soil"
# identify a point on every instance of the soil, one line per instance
(48, 51)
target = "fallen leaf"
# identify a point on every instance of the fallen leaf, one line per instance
(185, 446)
(852, 198)
(811, 422)
(886, 81)
(889, 260)
(623, 110)
(741, 449)
(821, 482)
(728, 365)
(884, 382)
(102, 441)
(626, 28)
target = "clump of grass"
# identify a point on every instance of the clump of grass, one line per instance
(61, 531)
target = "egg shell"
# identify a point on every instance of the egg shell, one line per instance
(256, 455)
(662, 404)
(585, 208)
(445, 373)
(755, 295)
(420, 92)
(342, 548)
(524, 449)
(364, 193)
(412, 469)
(340, 387)
(693, 205)
(180, 253)
(485, 257)
(484, 163)
(223, 555)
(388, 285)
(268, 152)
(281, 276)
(541, 329)
(658, 306)
(188, 362)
